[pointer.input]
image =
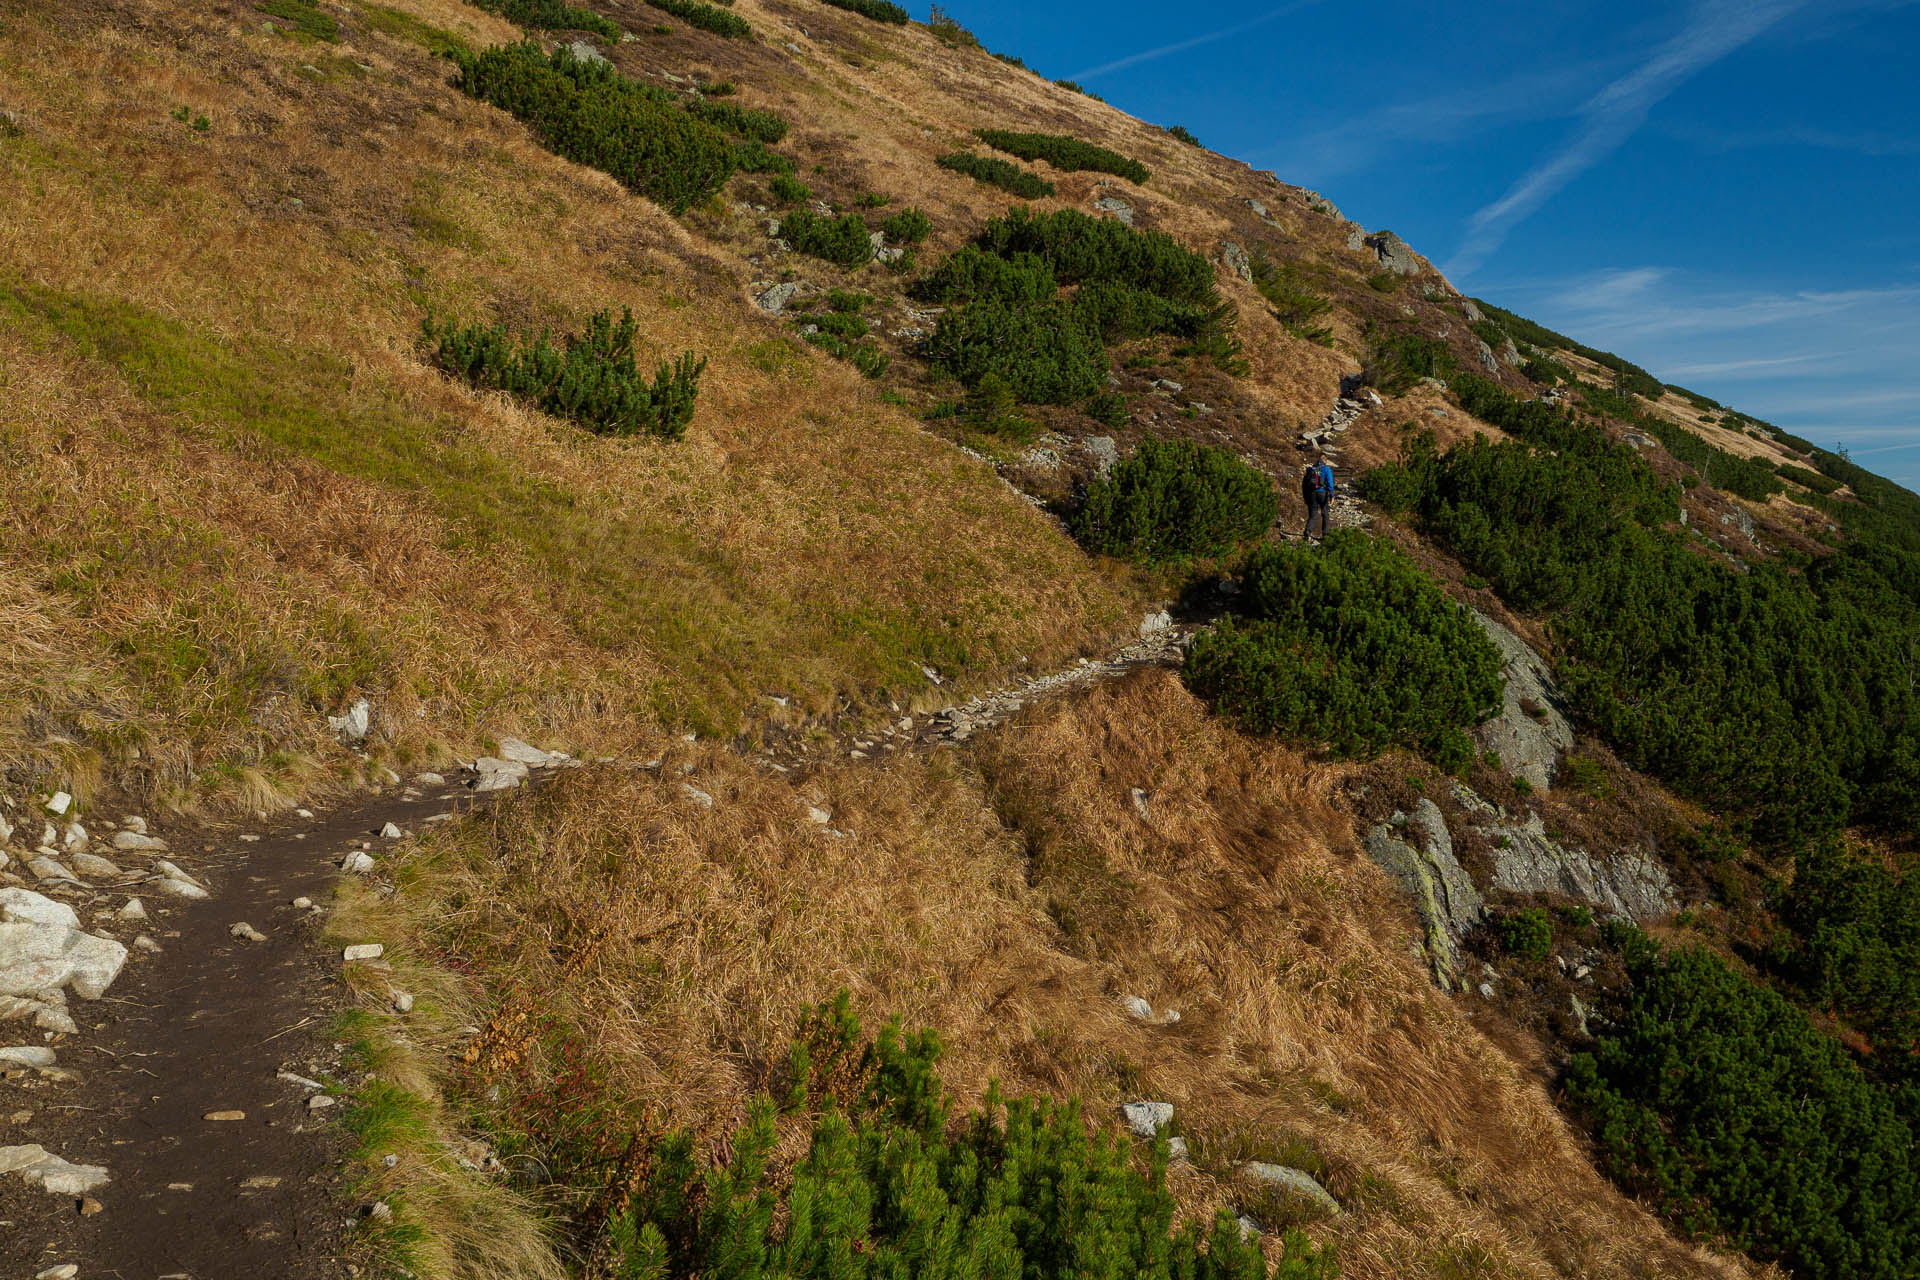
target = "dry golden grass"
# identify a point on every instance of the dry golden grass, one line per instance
(1010, 910)
(222, 330)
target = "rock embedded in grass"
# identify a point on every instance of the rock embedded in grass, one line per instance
(1147, 1118)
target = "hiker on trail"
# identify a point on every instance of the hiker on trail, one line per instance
(1316, 486)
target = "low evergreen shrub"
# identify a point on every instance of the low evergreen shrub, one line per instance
(909, 226)
(842, 331)
(1806, 478)
(1081, 248)
(1051, 349)
(995, 172)
(1349, 644)
(947, 30)
(1109, 409)
(788, 189)
(970, 274)
(756, 157)
(1713, 1097)
(1182, 134)
(1300, 311)
(706, 17)
(592, 115)
(1851, 942)
(1174, 499)
(892, 1186)
(553, 15)
(844, 240)
(1045, 351)
(592, 380)
(744, 122)
(878, 10)
(1064, 153)
(1527, 934)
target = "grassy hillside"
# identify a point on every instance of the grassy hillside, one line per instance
(245, 490)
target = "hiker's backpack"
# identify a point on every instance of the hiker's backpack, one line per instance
(1318, 483)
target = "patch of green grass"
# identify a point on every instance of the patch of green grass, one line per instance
(304, 16)
(404, 26)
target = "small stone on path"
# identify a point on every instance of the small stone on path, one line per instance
(65, 1271)
(302, 904)
(225, 1115)
(260, 1182)
(246, 932)
(320, 1102)
(134, 910)
(89, 1206)
(364, 951)
(391, 832)
(430, 780)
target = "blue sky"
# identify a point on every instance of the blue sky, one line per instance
(1727, 193)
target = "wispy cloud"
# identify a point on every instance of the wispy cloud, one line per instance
(1194, 42)
(1878, 145)
(1715, 29)
(1355, 142)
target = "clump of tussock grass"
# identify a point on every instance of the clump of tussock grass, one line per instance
(452, 1219)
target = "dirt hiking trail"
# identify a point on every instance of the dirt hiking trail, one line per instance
(205, 1026)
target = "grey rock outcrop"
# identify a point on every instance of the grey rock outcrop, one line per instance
(1531, 730)
(1630, 883)
(1117, 207)
(1294, 1182)
(1236, 259)
(1444, 896)
(586, 51)
(1393, 253)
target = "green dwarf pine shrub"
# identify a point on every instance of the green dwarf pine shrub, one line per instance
(844, 240)
(755, 157)
(553, 15)
(788, 189)
(1046, 351)
(1173, 499)
(1052, 350)
(970, 274)
(743, 122)
(1350, 644)
(705, 17)
(1300, 311)
(1713, 1097)
(996, 172)
(878, 10)
(593, 115)
(1183, 134)
(1527, 934)
(1064, 153)
(890, 1186)
(593, 380)
(948, 31)
(909, 226)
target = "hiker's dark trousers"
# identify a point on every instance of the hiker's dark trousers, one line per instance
(1316, 510)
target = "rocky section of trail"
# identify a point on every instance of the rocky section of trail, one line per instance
(165, 1115)
(1162, 642)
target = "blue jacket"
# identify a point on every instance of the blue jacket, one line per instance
(1324, 472)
